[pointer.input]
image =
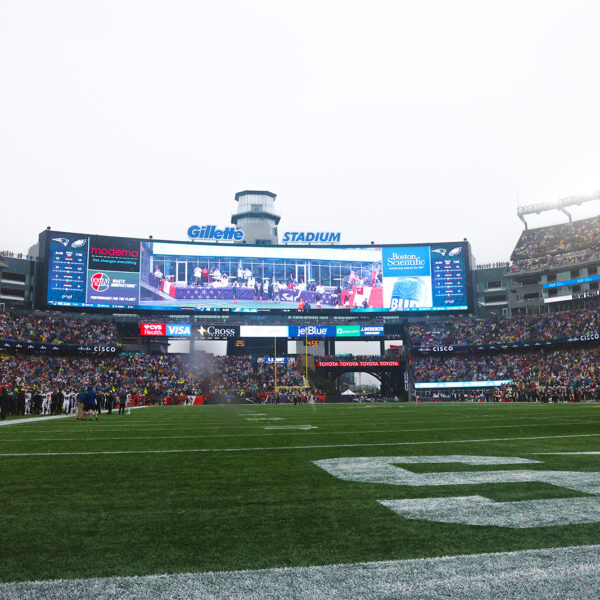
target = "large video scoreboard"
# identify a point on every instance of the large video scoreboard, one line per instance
(104, 272)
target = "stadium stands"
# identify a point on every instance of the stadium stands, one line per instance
(557, 246)
(461, 331)
(555, 261)
(155, 378)
(246, 377)
(558, 239)
(53, 329)
(563, 373)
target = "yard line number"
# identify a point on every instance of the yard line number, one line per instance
(475, 510)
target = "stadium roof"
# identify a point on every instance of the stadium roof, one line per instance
(255, 192)
(560, 204)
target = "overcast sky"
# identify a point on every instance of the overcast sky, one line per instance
(388, 121)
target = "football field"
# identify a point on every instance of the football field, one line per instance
(318, 501)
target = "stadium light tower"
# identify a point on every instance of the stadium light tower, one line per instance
(561, 205)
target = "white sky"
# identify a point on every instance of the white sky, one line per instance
(389, 121)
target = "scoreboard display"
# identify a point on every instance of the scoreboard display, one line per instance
(104, 272)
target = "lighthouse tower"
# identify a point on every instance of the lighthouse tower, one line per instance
(257, 217)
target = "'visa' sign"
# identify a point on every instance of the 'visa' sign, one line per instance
(179, 330)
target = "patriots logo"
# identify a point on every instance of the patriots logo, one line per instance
(440, 251)
(63, 241)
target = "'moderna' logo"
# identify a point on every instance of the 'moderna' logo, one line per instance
(100, 282)
(115, 252)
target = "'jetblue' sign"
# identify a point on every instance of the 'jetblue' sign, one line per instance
(322, 237)
(211, 232)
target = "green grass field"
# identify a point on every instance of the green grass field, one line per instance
(189, 489)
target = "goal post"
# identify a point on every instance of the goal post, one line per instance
(290, 387)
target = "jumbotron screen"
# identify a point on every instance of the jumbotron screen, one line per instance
(106, 272)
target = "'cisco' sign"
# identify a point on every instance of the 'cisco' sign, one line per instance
(211, 232)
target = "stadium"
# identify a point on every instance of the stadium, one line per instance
(301, 419)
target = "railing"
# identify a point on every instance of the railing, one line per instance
(9, 254)
(494, 265)
(557, 204)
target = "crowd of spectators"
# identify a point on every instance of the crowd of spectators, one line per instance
(139, 374)
(554, 261)
(53, 329)
(556, 371)
(247, 377)
(470, 331)
(558, 239)
(152, 377)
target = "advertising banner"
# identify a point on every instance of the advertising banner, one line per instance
(61, 348)
(165, 330)
(107, 288)
(217, 332)
(586, 337)
(347, 331)
(153, 329)
(175, 330)
(339, 331)
(462, 384)
(303, 331)
(358, 363)
(280, 360)
(114, 254)
(258, 331)
(372, 330)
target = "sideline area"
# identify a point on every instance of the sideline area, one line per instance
(554, 573)
(33, 419)
(44, 418)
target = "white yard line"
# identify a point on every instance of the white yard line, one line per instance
(166, 422)
(32, 419)
(571, 573)
(234, 435)
(562, 453)
(316, 446)
(25, 420)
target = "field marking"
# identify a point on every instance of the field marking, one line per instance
(564, 453)
(316, 446)
(474, 510)
(44, 418)
(302, 427)
(232, 435)
(552, 574)
(209, 425)
(33, 419)
(483, 512)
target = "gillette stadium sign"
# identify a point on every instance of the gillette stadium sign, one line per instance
(311, 237)
(213, 233)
